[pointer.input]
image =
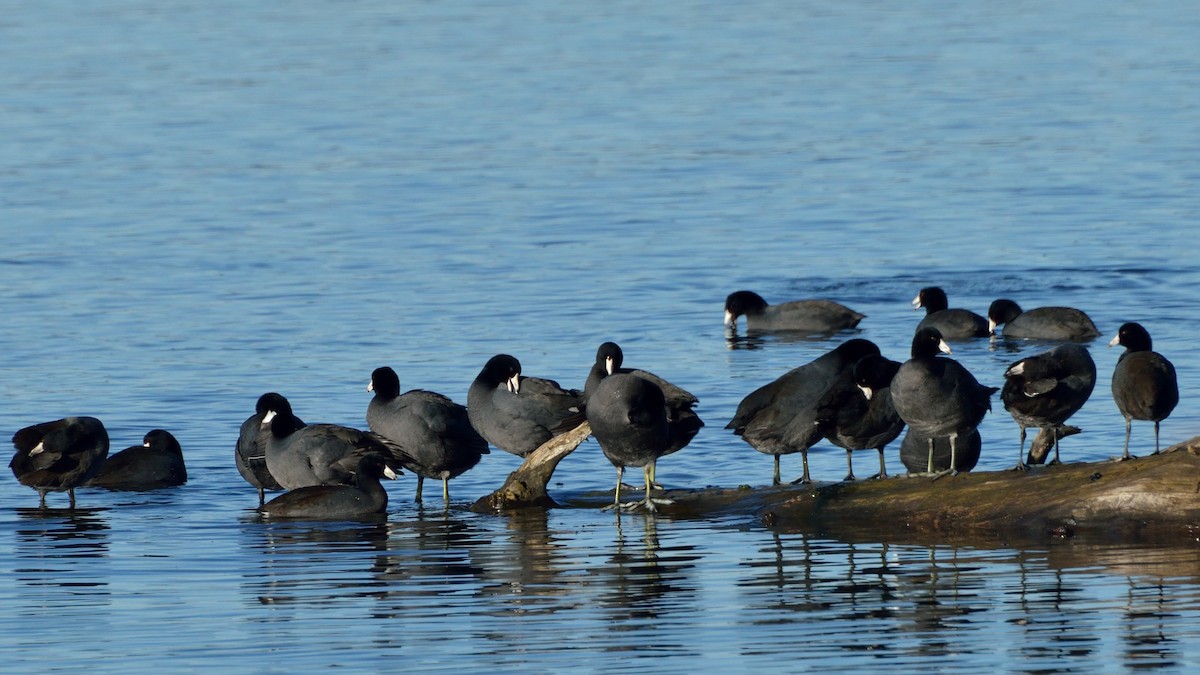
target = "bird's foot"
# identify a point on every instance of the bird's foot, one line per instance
(1021, 466)
(946, 472)
(1124, 458)
(849, 477)
(803, 480)
(878, 476)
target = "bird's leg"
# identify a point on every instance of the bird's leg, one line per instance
(1156, 437)
(420, 484)
(1021, 453)
(953, 470)
(1054, 432)
(882, 464)
(1126, 455)
(651, 503)
(42, 499)
(929, 469)
(71, 492)
(262, 497)
(617, 493)
(776, 479)
(849, 465)
(804, 457)
(446, 490)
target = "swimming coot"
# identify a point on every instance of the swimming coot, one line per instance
(1144, 384)
(364, 498)
(156, 463)
(952, 324)
(59, 455)
(1042, 323)
(434, 430)
(803, 316)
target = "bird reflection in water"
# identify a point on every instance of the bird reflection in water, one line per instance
(58, 552)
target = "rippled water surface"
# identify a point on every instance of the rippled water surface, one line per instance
(201, 202)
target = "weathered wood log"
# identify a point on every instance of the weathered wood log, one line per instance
(526, 486)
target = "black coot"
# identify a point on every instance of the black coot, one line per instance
(628, 417)
(156, 463)
(1042, 323)
(952, 324)
(1144, 384)
(858, 414)
(366, 497)
(60, 455)
(434, 430)
(1045, 389)
(801, 316)
(517, 413)
(250, 453)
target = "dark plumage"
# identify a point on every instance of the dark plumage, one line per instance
(517, 413)
(1042, 323)
(435, 431)
(780, 417)
(952, 324)
(364, 498)
(857, 413)
(684, 421)
(299, 455)
(914, 452)
(628, 417)
(156, 463)
(59, 455)
(1045, 389)
(250, 454)
(938, 397)
(804, 316)
(1144, 384)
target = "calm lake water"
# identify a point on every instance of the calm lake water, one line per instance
(204, 201)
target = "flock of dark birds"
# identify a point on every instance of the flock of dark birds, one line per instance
(852, 396)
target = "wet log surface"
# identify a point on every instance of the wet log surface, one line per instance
(1156, 497)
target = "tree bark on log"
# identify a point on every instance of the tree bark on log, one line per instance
(526, 487)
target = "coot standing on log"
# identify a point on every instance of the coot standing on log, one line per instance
(517, 413)
(858, 414)
(780, 417)
(1144, 384)
(60, 455)
(434, 430)
(1045, 389)
(628, 416)
(938, 397)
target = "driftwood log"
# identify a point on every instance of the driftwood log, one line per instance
(1156, 497)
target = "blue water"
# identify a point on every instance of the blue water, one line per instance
(201, 202)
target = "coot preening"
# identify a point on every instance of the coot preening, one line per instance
(156, 463)
(952, 324)
(780, 417)
(938, 397)
(250, 453)
(59, 455)
(434, 430)
(364, 498)
(628, 417)
(516, 413)
(803, 316)
(1144, 384)
(299, 455)
(858, 414)
(1042, 323)
(1045, 389)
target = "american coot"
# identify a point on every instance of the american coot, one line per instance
(517, 413)
(914, 452)
(299, 455)
(59, 455)
(250, 454)
(938, 397)
(1143, 383)
(435, 431)
(1042, 323)
(684, 421)
(858, 414)
(953, 324)
(1045, 389)
(156, 463)
(628, 416)
(780, 417)
(364, 498)
(802, 316)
